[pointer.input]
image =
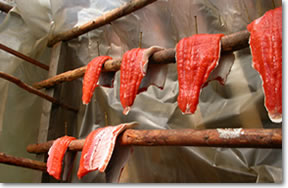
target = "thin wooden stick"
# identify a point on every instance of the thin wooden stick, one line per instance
(196, 26)
(229, 43)
(34, 91)
(106, 119)
(60, 78)
(108, 17)
(273, 2)
(98, 48)
(66, 128)
(140, 40)
(5, 7)
(22, 162)
(232, 138)
(24, 57)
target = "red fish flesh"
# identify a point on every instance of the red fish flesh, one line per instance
(133, 68)
(266, 49)
(196, 57)
(98, 148)
(91, 77)
(130, 77)
(56, 154)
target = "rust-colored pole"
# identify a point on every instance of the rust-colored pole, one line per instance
(110, 65)
(235, 41)
(229, 43)
(22, 162)
(233, 138)
(5, 7)
(24, 57)
(251, 138)
(108, 17)
(35, 91)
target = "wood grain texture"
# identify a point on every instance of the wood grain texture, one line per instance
(35, 91)
(22, 162)
(24, 57)
(231, 138)
(108, 17)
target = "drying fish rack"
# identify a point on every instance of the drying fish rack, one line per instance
(240, 138)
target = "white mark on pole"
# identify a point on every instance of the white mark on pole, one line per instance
(229, 133)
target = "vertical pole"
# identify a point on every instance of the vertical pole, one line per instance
(106, 119)
(196, 25)
(66, 128)
(98, 48)
(46, 105)
(273, 2)
(140, 39)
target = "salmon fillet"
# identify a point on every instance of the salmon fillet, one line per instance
(196, 57)
(98, 149)
(56, 154)
(91, 77)
(266, 48)
(133, 68)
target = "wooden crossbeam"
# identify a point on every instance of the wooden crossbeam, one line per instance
(22, 162)
(5, 7)
(24, 57)
(229, 43)
(35, 91)
(232, 138)
(108, 17)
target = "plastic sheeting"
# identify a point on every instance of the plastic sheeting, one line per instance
(19, 110)
(239, 103)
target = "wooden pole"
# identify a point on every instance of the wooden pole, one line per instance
(60, 78)
(232, 138)
(196, 25)
(5, 7)
(140, 40)
(229, 43)
(250, 138)
(22, 162)
(24, 57)
(235, 41)
(108, 17)
(35, 91)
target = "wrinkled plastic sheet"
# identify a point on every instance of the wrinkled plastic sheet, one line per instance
(237, 104)
(19, 110)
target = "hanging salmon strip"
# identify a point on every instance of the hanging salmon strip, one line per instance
(266, 48)
(56, 154)
(98, 148)
(91, 77)
(196, 57)
(133, 69)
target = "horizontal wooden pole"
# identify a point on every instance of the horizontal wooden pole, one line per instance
(231, 138)
(24, 57)
(60, 78)
(229, 43)
(35, 91)
(22, 162)
(108, 17)
(247, 138)
(5, 7)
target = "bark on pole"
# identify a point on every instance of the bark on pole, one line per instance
(22, 162)
(24, 57)
(5, 7)
(35, 91)
(229, 43)
(232, 138)
(108, 17)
